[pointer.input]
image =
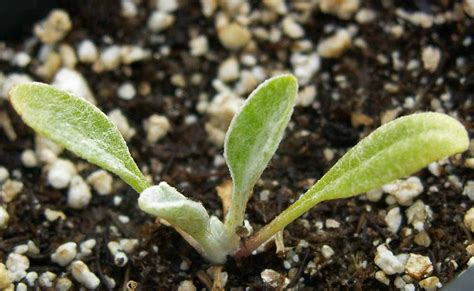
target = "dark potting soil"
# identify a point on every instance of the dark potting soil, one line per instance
(185, 157)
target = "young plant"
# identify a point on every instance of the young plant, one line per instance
(394, 150)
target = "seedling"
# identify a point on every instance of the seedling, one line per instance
(394, 150)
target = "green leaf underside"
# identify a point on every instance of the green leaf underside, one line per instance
(167, 203)
(255, 133)
(78, 126)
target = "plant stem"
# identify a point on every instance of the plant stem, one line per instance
(235, 216)
(278, 223)
(212, 243)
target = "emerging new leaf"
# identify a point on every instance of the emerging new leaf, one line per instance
(254, 135)
(78, 126)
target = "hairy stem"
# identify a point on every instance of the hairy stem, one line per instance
(235, 217)
(278, 223)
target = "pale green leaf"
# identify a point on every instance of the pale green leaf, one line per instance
(167, 203)
(205, 233)
(255, 133)
(394, 150)
(78, 126)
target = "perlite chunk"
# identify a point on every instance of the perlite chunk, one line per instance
(386, 261)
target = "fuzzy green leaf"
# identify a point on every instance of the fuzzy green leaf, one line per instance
(255, 133)
(205, 233)
(396, 149)
(78, 126)
(167, 203)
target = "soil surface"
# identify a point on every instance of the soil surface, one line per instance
(355, 93)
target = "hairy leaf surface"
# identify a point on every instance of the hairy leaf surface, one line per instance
(78, 126)
(396, 149)
(256, 131)
(167, 203)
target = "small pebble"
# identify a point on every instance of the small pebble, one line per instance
(274, 279)
(404, 190)
(423, 239)
(73, 82)
(4, 218)
(110, 57)
(31, 278)
(130, 54)
(186, 285)
(156, 127)
(128, 8)
(305, 66)
(160, 21)
(365, 16)
(3, 174)
(167, 5)
(128, 245)
(431, 283)
(63, 284)
(79, 194)
(64, 254)
(374, 195)
(386, 261)
(126, 91)
(332, 223)
(68, 56)
(17, 265)
(469, 190)
(229, 70)
(393, 219)
(52, 29)
(341, 8)
(292, 28)
(60, 173)
(306, 96)
(52, 215)
(86, 248)
(28, 158)
(233, 36)
(22, 59)
(382, 278)
(418, 266)
(199, 46)
(468, 6)
(278, 6)
(87, 51)
(431, 56)
(83, 275)
(10, 190)
(46, 279)
(469, 219)
(5, 279)
(418, 214)
(327, 251)
(101, 181)
(335, 45)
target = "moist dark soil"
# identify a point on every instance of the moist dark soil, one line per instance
(186, 156)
